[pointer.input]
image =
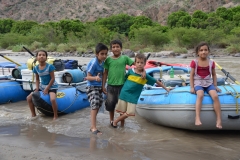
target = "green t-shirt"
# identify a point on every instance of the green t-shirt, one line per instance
(133, 86)
(117, 69)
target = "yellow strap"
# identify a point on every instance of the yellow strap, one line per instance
(137, 79)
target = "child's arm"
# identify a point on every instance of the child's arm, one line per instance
(214, 76)
(161, 85)
(93, 78)
(192, 90)
(105, 74)
(37, 82)
(50, 83)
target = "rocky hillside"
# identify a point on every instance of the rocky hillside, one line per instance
(90, 10)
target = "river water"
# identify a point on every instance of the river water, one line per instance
(69, 136)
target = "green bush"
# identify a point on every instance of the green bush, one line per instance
(36, 45)
(51, 47)
(63, 47)
(18, 48)
(234, 48)
(187, 37)
(11, 39)
(81, 50)
(180, 50)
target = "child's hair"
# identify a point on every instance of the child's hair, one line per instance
(140, 56)
(200, 45)
(99, 47)
(116, 41)
(42, 51)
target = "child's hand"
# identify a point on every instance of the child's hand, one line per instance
(192, 90)
(104, 90)
(45, 91)
(98, 77)
(168, 89)
(218, 89)
(143, 75)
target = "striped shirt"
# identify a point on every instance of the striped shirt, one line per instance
(45, 76)
(207, 80)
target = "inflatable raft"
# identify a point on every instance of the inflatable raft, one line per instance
(68, 100)
(177, 108)
(12, 91)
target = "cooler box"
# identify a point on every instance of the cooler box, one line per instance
(27, 75)
(59, 76)
(178, 80)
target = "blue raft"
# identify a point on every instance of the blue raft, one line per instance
(12, 91)
(68, 100)
(177, 108)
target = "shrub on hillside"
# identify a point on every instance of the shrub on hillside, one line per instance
(51, 47)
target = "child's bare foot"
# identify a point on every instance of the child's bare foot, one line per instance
(198, 122)
(219, 125)
(54, 118)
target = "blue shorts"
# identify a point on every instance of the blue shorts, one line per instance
(50, 90)
(207, 89)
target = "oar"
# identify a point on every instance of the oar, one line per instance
(28, 51)
(227, 74)
(149, 54)
(10, 60)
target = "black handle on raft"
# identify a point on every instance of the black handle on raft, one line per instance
(141, 99)
(233, 117)
(28, 51)
(149, 54)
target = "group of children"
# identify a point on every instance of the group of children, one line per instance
(123, 89)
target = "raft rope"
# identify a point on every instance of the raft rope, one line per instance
(76, 95)
(233, 94)
(183, 80)
(154, 94)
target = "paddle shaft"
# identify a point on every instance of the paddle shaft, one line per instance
(28, 51)
(10, 60)
(149, 54)
(227, 73)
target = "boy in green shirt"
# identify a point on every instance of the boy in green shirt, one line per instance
(114, 71)
(132, 89)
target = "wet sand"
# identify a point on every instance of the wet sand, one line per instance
(69, 137)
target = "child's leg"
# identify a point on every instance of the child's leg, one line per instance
(112, 99)
(54, 104)
(95, 98)
(121, 118)
(217, 107)
(122, 122)
(31, 105)
(200, 94)
(94, 119)
(111, 115)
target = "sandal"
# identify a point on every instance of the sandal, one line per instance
(113, 125)
(96, 132)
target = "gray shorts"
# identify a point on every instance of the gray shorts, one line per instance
(113, 93)
(95, 96)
